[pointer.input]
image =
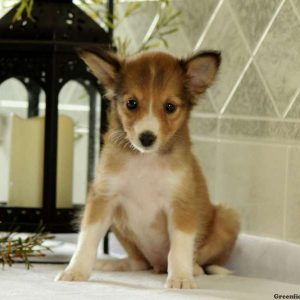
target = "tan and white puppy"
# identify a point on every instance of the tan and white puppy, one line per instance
(149, 188)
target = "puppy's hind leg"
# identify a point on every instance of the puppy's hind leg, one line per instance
(95, 223)
(218, 245)
(134, 262)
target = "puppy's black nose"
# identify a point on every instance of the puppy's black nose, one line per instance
(147, 138)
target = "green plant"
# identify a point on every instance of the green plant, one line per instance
(25, 6)
(14, 248)
(165, 23)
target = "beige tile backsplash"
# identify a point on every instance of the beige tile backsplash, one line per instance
(251, 177)
(292, 201)
(246, 129)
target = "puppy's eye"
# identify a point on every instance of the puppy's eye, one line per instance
(132, 104)
(170, 107)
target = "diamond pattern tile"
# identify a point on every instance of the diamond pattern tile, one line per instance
(179, 44)
(251, 98)
(235, 27)
(253, 17)
(194, 16)
(296, 3)
(295, 109)
(278, 56)
(223, 35)
(205, 105)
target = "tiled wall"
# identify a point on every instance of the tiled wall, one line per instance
(246, 129)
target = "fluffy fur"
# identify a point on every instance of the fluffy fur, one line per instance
(153, 197)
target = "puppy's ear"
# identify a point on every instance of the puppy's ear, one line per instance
(104, 65)
(201, 70)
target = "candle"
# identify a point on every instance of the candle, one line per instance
(26, 161)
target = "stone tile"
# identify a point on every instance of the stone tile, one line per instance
(203, 126)
(253, 17)
(223, 35)
(262, 219)
(278, 56)
(249, 180)
(194, 16)
(204, 105)
(292, 229)
(178, 44)
(264, 130)
(206, 153)
(296, 3)
(295, 109)
(251, 98)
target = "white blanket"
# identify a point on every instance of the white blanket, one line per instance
(19, 284)
(259, 258)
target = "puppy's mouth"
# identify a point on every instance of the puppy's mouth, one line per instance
(123, 138)
(144, 149)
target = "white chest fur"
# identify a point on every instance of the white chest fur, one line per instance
(145, 180)
(144, 188)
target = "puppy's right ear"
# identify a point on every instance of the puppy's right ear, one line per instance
(104, 65)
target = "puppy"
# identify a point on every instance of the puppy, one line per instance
(149, 188)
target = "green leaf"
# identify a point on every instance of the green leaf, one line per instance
(131, 8)
(168, 32)
(19, 11)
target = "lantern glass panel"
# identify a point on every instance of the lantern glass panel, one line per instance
(22, 106)
(78, 141)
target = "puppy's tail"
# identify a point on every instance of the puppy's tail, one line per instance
(215, 269)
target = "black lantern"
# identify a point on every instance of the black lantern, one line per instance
(41, 53)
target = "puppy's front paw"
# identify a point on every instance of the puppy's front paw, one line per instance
(177, 282)
(71, 276)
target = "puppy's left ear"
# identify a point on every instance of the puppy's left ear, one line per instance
(105, 65)
(201, 70)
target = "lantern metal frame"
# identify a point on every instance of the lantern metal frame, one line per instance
(42, 55)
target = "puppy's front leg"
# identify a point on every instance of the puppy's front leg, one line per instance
(95, 223)
(181, 256)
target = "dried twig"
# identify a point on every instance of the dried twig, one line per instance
(16, 249)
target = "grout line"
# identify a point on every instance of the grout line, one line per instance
(243, 118)
(245, 141)
(286, 193)
(292, 101)
(209, 96)
(240, 30)
(209, 23)
(218, 161)
(257, 47)
(297, 13)
(198, 138)
(203, 115)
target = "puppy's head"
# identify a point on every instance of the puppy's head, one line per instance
(153, 92)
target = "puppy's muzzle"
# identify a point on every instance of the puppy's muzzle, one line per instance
(147, 138)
